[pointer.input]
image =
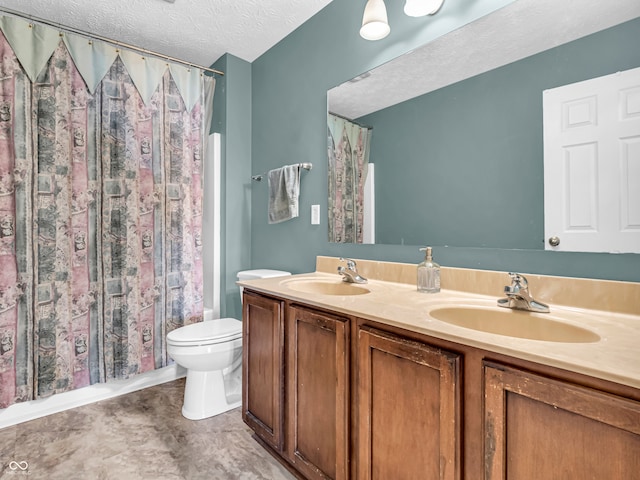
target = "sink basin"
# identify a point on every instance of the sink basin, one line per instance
(515, 323)
(325, 287)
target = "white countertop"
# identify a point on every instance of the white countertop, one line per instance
(615, 357)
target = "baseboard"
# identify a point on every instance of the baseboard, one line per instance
(25, 411)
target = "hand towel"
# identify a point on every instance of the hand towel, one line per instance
(284, 190)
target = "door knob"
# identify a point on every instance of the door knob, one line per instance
(554, 241)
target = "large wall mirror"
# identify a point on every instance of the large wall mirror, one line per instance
(455, 127)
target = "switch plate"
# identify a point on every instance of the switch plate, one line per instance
(315, 214)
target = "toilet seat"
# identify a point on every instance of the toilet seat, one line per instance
(206, 333)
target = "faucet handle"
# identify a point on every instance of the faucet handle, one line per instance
(518, 278)
(518, 282)
(351, 264)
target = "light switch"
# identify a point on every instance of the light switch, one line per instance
(315, 214)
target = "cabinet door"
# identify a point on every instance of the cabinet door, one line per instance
(263, 367)
(537, 427)
(408, 409)
(317, 393)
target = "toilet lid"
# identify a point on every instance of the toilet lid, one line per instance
(201, 333)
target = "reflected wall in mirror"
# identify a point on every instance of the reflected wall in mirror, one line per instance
(463, 165)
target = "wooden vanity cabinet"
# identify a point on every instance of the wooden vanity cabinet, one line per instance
(338, 397)
(548, 429)
(407, 409)
(263, 367)
(317, 372)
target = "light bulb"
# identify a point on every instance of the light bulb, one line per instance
(375, 25)
(420, 8)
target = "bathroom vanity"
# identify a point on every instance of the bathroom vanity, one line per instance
(363, 381)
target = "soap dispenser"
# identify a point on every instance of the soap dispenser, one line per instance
(428, 274)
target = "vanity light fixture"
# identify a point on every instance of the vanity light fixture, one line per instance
(375, 25)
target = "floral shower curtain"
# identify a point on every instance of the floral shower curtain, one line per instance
(16, 263)
(100, 222)
(348, 153)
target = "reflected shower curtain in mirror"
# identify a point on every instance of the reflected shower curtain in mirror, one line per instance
(348, 154)
(100, 222)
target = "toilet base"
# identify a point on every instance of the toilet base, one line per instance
(204, 395)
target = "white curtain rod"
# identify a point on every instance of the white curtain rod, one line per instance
(107, 40)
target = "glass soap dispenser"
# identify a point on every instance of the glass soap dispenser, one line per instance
(428, 274)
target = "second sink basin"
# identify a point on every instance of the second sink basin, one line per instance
(325, 287)
(515, 323)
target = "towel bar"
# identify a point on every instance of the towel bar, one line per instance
(258, 178)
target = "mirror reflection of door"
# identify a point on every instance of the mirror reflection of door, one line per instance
(592, 164)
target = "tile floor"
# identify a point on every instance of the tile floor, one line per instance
(141, 435)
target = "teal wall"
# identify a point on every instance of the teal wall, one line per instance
(288, 119)
(232, 119)
(473, 151)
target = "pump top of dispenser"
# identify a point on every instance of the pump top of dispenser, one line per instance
(428, 255)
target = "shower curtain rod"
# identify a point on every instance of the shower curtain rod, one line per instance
(368, 127)
(106, 40)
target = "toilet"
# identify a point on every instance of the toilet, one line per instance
(211, 351)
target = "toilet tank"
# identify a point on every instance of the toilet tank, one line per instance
(259, 273)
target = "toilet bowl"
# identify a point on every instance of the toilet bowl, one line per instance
(211, 351)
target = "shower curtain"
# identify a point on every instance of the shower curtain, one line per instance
(100, 210)
(348, 152)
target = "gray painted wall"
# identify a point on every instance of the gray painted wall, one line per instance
(289, 85)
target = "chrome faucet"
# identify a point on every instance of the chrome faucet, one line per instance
(350, 273)
(518, 296)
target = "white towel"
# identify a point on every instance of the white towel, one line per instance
(284, 190)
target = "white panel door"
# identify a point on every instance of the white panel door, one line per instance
(592, 164)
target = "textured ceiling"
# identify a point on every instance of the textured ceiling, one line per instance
(197, 31)
(520, 29)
